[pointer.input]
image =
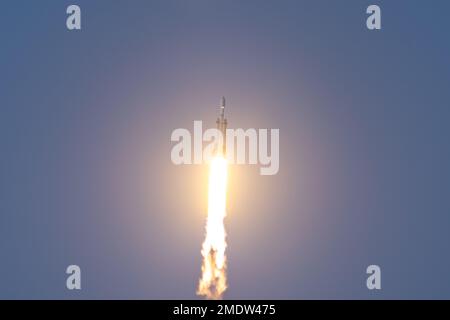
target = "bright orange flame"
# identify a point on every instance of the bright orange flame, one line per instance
(213, 281)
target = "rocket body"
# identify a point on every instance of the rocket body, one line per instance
(222, 125)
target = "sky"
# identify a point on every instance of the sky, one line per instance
(86, 175)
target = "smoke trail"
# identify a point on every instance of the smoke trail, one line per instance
(213, 281)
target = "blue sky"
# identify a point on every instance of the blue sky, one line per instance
(86, 176)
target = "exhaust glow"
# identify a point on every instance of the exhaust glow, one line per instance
(213, 281)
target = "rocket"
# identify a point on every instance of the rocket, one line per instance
(222, 124)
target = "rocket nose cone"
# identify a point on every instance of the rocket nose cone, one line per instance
(222, 102)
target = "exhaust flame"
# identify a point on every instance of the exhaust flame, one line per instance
(213, 282)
